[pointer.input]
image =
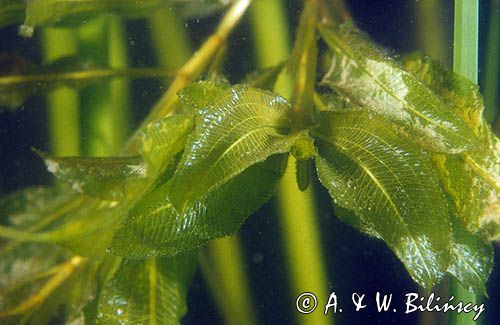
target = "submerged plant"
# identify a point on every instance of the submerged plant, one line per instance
(401, 145)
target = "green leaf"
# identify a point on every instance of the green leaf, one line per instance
(461, 94)
(11, 12)
(243, 126)
(163, 139)
(155, 227)
(472, 180)
(101, 177)
(50, 12)
(237, 129)
(371, 79)
(151, 291)
(35, 207)
(391, 186)
(471, 259)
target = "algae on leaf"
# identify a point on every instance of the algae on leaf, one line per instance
(471, 179)
(102, 177)
(373, 80)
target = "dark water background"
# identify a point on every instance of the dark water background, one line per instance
(355, 263)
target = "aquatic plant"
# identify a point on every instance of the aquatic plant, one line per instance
(400, 144)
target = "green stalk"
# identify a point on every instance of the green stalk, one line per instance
(465, 38)
(465, 60)
(119, 88)
(106, 104)
(63, 102)
(104, 122)
(431, 37)
(170, 39)
(431, 40)
(296, 209)
(224, 269)
(491, 76)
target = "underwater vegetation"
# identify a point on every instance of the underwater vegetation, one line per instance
(401, 144)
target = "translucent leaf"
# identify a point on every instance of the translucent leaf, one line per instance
(237, 129)
(471, 259)
(50, 12)
(472, 179)
(11, 12)
(461, 94)
(151, 291)
(163, 139)
(391, 186)
(155, 227)
(26, 208)
(98, 177)
(241, 127)
(371, 79)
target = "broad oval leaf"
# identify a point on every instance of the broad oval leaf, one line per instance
(150, 291)
(237, 130)
(390, 184)
(242, 126)
(102, 177)
(371, 79)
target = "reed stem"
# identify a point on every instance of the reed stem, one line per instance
(296, 209)
(63, 102)
(465, 63)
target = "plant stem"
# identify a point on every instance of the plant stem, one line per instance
(492, 64)
(224, 268)
(63, 102)
(431, 30)
(199, 61)
(465, 38)
(465, 60)
(170, 39)
(192, 69)
(119, 89)
(13, 81)
(295, 208)
(106, 117)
